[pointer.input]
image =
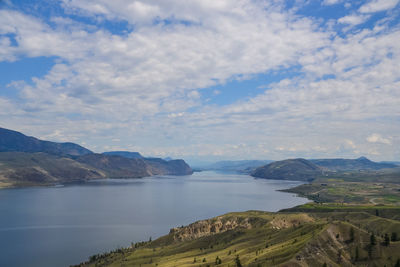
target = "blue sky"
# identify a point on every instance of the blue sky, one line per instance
(205, 80)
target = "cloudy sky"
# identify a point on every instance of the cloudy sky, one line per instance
(205, 79)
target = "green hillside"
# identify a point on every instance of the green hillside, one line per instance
(352, 222)
(290, 169)
(269, 239)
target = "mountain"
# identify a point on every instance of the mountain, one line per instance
(290, 169)
(121, 167)
(361, 163)
(235, 165)
(27, 169)
(15, 141)
(24, 169)
(125, 154)
(27, 161)
(391, 162)
(170, 167)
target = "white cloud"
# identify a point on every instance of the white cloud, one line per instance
(331, 2)
(144, 87)
(377, 138)
(353, 19)
(378, 5)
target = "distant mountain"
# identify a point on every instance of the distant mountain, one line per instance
(121, 167)
(26, 160)
(236, 165)
(125, 154)
(290, 169)
(18, 142)
(361, 163)
(21, 168)
(171, 167)
(391, 162)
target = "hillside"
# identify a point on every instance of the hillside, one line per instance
(121, 167)
(361, 163)
(256, 238)
(24, 169)
(18, 142)
(27, 161)
(235, 165)
(290, 169)
(125, 154)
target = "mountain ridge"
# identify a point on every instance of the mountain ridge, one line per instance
(13, 141)
(27, 161)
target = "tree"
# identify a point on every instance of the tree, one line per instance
(387, 240)
(372, 240)
(357, 256)
(218, 261)
(397, 263)
(351, 234)
(394, 236)
(237, 261)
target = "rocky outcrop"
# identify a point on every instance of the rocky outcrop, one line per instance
(213, 226)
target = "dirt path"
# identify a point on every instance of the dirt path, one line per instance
(372, 200)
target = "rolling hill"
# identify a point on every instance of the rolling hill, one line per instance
(256, 238)
(243, 166)
(290, 169)
(361, 163)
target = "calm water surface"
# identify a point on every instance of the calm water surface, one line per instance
(59, 226)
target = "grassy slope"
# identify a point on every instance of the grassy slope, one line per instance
(286, 238)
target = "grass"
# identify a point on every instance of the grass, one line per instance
(308, 235)
(336, 191)
(305, 240)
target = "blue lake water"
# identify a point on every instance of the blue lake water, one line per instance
(64, 225)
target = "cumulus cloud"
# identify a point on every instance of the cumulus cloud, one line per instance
(378, 5)
(331, 2)
(144, 87)
(377, 138)
(353, 19)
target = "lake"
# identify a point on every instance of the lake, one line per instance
(64, 225)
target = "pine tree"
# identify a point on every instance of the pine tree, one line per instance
(387, 240)
(372, 240)
(237, 261)
(351, 234)
(357, 256)
(394, 236)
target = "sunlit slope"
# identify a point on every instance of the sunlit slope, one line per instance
(268, 239)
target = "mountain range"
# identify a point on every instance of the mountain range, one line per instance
(26, 161)
(308, 170)
(15, 141)
(242, 166)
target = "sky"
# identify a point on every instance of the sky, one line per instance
(205, 80)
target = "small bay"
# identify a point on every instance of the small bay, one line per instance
(64, 225)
